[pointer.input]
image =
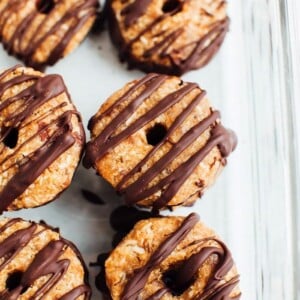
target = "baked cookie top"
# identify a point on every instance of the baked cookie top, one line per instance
(41, 138)
(159, 142)
(40, 32)
(167, 36)
(172, 258)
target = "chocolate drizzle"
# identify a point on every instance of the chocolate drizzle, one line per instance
(169, 186)
(215, 287)
(76, 17)
(46, 262)
(134, 10)
(30, 99)
(202, 50)
(138, 280)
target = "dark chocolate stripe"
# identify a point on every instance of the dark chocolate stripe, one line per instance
(13, 244)
(134, 10)
(46, 262)
(220, 28)
(221, 292)
(136, 283)
(41, 159)
(76, 292)
(145, 80)
(221, 138)
(134, 193)
(189, 269)
(164, 44)
(158, 295)
(179, 120)
(74, 14)
(42, 90)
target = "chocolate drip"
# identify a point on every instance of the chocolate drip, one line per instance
(222, 292)
(46, 262)
(92, 197)
(138, 280)
(41, 91)
(73, 16)
(158, 295)
(164, 45)
(198, 57)
(13, 244)
(106, 140)
(76, 292)
(188, 270)
(203, 52)
(134, 10)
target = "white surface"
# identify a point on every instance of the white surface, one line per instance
(253, 204)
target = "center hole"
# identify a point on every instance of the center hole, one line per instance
(171, 6)
(45, 6)
(14, 280)
(171, 281)
(156, 134)
(11, 136)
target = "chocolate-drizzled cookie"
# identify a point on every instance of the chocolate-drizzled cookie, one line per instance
(41, 138)
(167, 36)
(40, 32)
(37, 263)
(159, 142)
(172, 258)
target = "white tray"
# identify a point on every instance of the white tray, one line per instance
(253, 204)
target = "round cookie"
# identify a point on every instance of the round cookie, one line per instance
(40, 32)
(167, 36)
(37, 263)
(159, 142)
(171, 258)
(41, 138)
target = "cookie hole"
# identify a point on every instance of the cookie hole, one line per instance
(171, 6)
(11, 139)
(177, 289)
(45, 6)
(14, 280)
(156, 134)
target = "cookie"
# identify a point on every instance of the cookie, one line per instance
(40, 32)
(167, 36)
(171, 258)
(159, 142)
(41, 138)
(37, 263)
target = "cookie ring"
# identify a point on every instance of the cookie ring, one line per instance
(167, 36)
(40, 32)
(158, 142)
(41, 138)
(36, 262)
(171, 258)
